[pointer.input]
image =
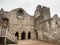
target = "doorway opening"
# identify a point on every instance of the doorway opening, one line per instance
(17, 35)
(23, 36)
(29, 35)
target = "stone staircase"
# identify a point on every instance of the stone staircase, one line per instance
(11, 37)
(5, 34)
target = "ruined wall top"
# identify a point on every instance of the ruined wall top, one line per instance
(42, 11)
(43, 7)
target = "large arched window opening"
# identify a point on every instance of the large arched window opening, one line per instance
(23, 35)
(4, 22)
(20, 12)
(17, 35)
(29, 35)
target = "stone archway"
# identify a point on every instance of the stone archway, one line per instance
(29, 35)
(17, 35)
(23, 35)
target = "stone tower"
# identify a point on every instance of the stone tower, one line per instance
(42, 11)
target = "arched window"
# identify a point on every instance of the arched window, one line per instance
(20, 12)
(4, 22)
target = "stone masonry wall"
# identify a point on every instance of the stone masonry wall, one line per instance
(25, 24)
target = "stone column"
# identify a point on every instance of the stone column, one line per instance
(19, 36)
(26, 35)
(32, 35)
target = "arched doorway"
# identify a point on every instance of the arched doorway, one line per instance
(23, 36)
(29, 35)
(17, 35)
(36, 34)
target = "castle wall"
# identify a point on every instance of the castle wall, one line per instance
(48, 30)
(42, 11)
(25, 24)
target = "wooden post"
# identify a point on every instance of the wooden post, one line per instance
(5, 37)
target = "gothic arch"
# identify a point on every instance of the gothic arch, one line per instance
(29, 35)
(20, 12)
(23, 35)
(17, 35)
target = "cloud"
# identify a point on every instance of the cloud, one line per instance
(30, 5)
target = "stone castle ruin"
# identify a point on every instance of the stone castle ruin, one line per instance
(17, 24)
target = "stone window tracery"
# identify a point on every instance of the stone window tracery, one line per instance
(20, 12)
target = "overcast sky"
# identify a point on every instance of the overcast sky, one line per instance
(30, 5)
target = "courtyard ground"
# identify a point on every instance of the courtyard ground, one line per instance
(34, 42)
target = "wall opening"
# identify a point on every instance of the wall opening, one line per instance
(36, 33)
(23, 36)
(29, 35)
(20, 12)
(17, 35)
(56, 23)
(4, 22)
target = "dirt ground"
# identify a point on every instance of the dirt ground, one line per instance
(35, 42)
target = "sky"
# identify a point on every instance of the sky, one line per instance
(30, 5)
